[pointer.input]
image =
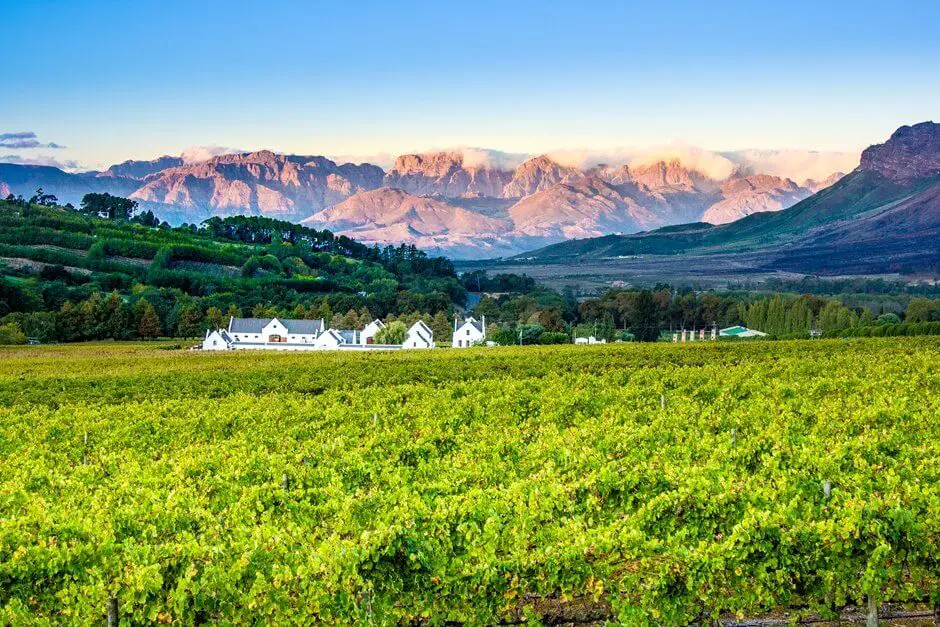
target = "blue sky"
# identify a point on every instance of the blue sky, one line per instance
(118, 80)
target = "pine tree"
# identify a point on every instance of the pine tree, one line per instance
(190, 322)
(442, 327)
(149, 325)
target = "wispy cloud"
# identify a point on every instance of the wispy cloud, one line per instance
(195, 154)
(25, 140)
(66, 164)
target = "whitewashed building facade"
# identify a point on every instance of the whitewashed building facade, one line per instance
(469, 333)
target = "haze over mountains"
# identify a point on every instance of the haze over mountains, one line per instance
(466, 203)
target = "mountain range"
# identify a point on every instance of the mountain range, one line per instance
(441, 201)
(882, 217)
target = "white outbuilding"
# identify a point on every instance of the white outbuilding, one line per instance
(217, 340)
(469, 333)
(367, 335)
(420, 335)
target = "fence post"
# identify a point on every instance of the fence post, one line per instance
(662, 402)
(872, 620)
(936, 614)
(113, 619)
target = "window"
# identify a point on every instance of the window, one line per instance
(468, 331)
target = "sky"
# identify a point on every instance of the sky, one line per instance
(97, 82)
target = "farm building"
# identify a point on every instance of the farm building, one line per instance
(469, 333)
(739, 331)
(293, 335)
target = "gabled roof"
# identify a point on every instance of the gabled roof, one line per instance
(378, 323)
(476, 324)
(334, 334)
(423, 331)
(348, 335)
(740, 332)
(256, 325)
(247, 325)
(303, 327)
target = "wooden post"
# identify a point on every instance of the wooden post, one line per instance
(284, 482)
(936, 615)
(85, 451)
(113, 619)
(662, 402)
(872, 620)
(827, 488)
(734, 436)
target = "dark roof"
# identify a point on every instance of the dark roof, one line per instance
(476, 324)
(255, 325)
(347, 335)
(303, 327)
(247, 325)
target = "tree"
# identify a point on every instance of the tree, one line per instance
(149, 325)
(645, 325)
(147, 218)
(190, 322)
(215, 318)
(10, 333)
(107, 206)
(922, 310)
(119, 320)
(41, 198)
(393, 333)
(442, 326)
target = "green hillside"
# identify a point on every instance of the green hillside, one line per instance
(855, 196)
(53, 258)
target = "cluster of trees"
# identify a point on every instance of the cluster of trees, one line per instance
(82, 253)
(540, 316)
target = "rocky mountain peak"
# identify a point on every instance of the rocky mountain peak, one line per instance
(445, 174)
(910, 153)
(537, 174)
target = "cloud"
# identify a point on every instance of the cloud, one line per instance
(711, 164)
(382, 159)
(798, 165)
(24, 140)
(488, 158)
(195, 154)
(67, 164)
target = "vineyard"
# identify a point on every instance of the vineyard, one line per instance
(637, 484)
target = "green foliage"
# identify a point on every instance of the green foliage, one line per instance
(552, 337)
(647, 484)
(107, 206)
(10, 333)
(922, 310)
(393, 333)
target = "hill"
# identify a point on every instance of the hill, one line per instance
(52, 259)
(882, 217)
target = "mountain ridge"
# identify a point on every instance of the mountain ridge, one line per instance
(297, 187)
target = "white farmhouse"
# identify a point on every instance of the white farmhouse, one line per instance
(367, 335)
(420, 335)
(218, 340)
(329, 339)
(469, 333)
(255, 331)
